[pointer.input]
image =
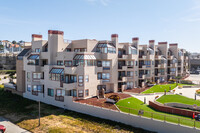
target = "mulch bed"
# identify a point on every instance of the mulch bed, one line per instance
(137, 90)
(101, 102)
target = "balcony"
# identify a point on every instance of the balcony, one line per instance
(59, 98)
(174, 65)
(142, 76)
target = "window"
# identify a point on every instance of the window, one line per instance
(68, 63)
(29, 88)
(136, 74)
(70, 79)
(33, 59)
(37, 75)
(60, 92)
(129, 85)
(38, 88)
(50, 92)
(86, 78)
(130, 63)
(60, 63)
(56, 74)
(80, 93)
(99, 76)
(80, 50)
(87, 92)
(73, 93)
(28, 76)
(37, 50)
(106, 63)
(103, 76)
(80, 79)
(68, 50)
(130, 73)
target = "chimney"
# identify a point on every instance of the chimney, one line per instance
(36, 37)
(114, 38)
(152, 44)
(135, 42)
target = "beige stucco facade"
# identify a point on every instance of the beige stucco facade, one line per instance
(56, 68)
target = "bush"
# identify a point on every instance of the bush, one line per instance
(5, 77)
(116, 98)
(172, 81)
(7, 71)
(198, 91)
(186, 82)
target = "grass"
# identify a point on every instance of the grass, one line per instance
(178, 99)
(161, 88)
(24, 113)
(136, 105)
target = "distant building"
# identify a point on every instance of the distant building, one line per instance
(194, 62)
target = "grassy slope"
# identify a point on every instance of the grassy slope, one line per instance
(161, 88)
(134, 103)
(24, 113)
(178, 99)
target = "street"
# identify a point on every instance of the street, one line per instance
(10, 127)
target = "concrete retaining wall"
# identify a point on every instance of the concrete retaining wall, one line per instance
(185, 106)
(172, 110)
(129, 119)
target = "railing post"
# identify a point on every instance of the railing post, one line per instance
(178, 121)
(152, 116)
(194, 124)
(129, 110)
(164, 118)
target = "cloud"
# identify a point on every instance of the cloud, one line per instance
(103, 2)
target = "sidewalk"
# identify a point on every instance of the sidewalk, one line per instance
(10, 127)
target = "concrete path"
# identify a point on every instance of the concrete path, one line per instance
(188, 92)
(148, 97)
(10, 127)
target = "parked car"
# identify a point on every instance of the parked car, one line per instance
(2, 129)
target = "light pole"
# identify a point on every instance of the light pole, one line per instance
(39, 113)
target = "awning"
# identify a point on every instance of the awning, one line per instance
(57, 70)
(105, 45)
(33, 57)
(84, 57)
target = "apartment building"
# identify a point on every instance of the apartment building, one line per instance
(55, 68)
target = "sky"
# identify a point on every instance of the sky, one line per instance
(174, 21)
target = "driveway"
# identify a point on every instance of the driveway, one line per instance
(10, 127)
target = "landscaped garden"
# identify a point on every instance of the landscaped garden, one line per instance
(162, 88)
(178, 99)
(133, 105)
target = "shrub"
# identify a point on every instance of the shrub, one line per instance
(5, 77)
(198, 91)
(186, 82)
(172, 80)
(156, 97)
(116, 98)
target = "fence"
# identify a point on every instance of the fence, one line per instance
(161, 116)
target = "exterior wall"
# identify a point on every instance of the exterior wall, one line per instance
(20, 76)
(129, 119)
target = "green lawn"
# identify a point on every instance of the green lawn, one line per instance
(178, 99)
(161, 88)
(136, 104)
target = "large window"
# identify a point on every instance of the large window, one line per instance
(132, 50)
(33, 59)
(80, 80)
(86, 78)
(87, 92)
(50, 92)
(37, 75)
(68, 63)
(73, 93)
(38, 88)
(70, 78)
(106, 48)
(129, 85)
(56, 74)
(106, 65)
(60, 63)
(104, 76)
(37, 50)
(129, 73)
(80, 93)
(60, 92)
(29, 88)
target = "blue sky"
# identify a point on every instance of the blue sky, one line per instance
(174, 21)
